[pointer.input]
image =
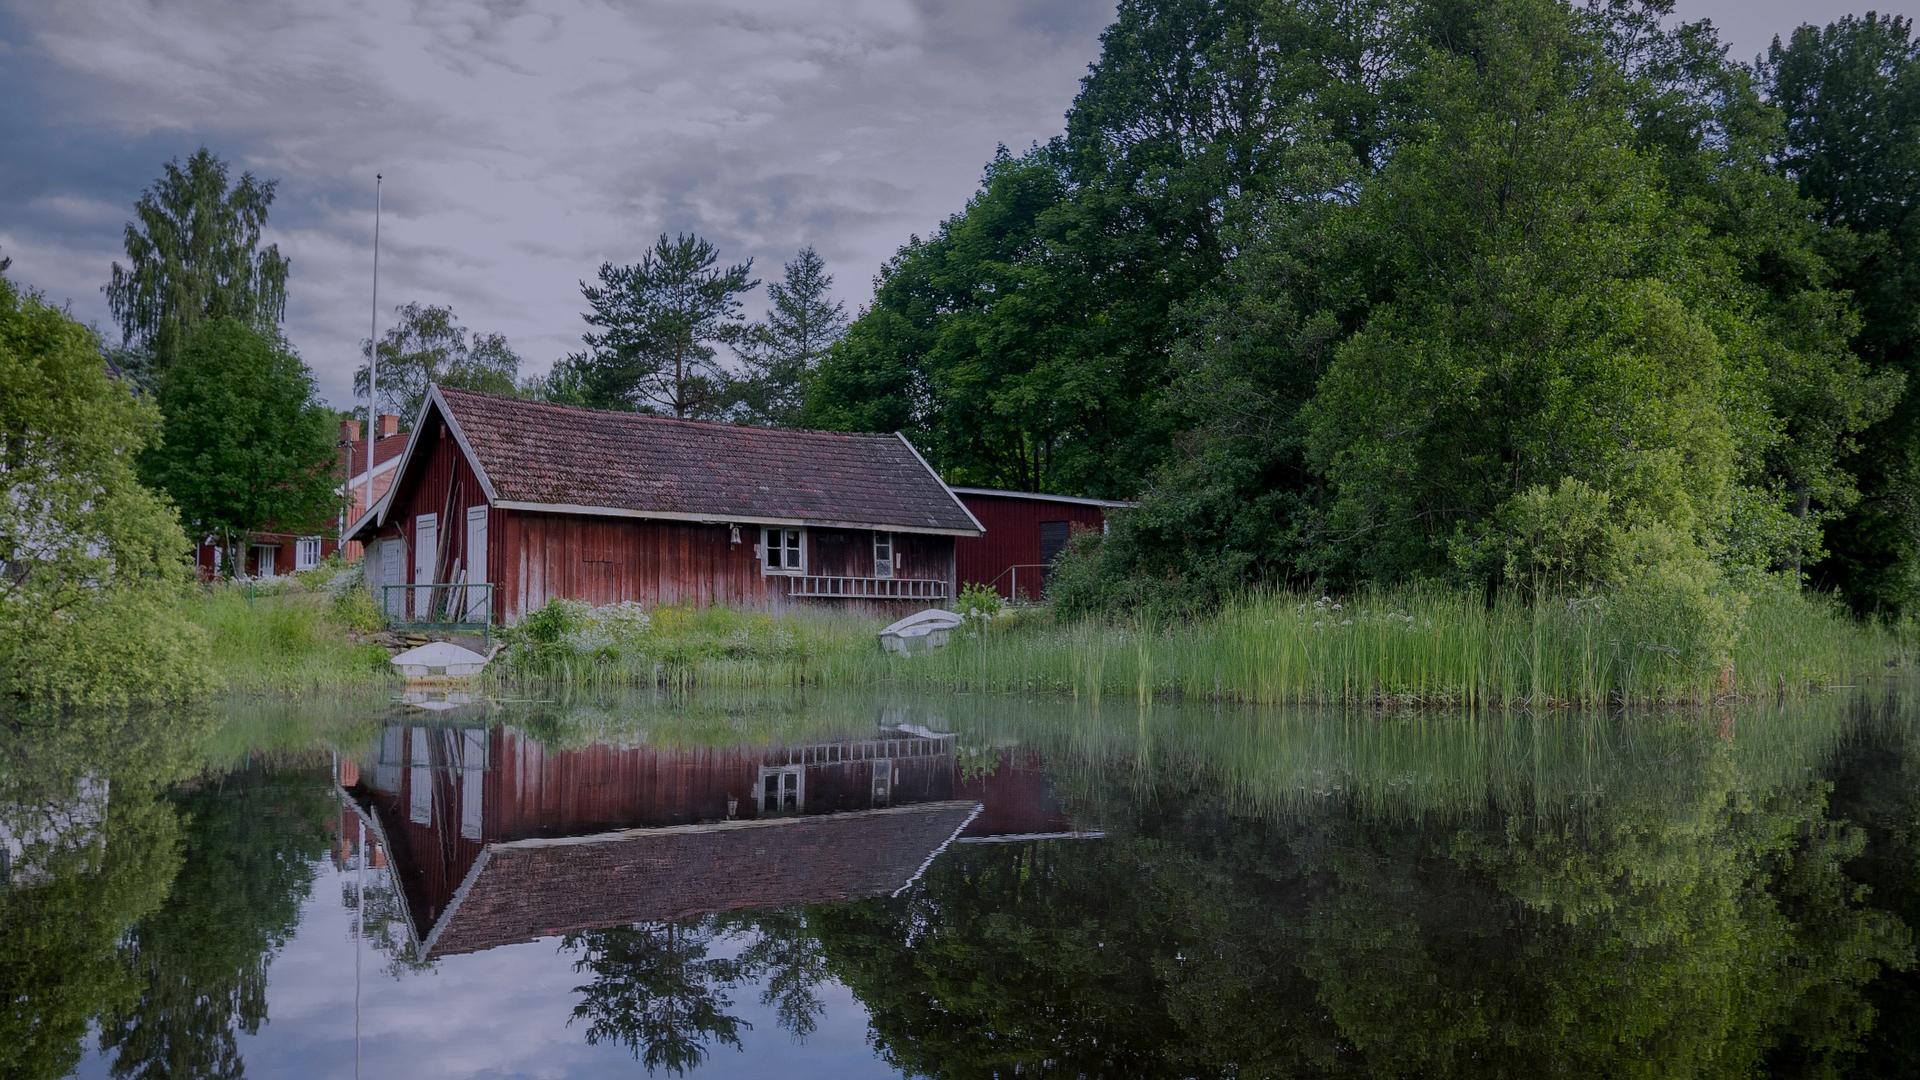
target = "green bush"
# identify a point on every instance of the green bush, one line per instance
(979, 605)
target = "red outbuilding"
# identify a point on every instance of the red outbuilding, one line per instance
(1025, 532)
(499, 505)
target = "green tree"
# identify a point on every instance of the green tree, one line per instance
(247, 444)
(1030, 341)
(97, 850)
(428, 346)
(91, 562)
(657, 324)
(193, 253)
(251, 843)
(656, 991)
(1850, 95)
(779, 353)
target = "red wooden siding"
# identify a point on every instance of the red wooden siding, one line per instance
(441, 481)
(1013, 539)
(603, 560)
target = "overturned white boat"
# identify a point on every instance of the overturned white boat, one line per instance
(919, 632)
(440, 659)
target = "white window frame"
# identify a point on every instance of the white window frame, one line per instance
(306, 553)
(770, 803)
(767, 534)
(883, 564)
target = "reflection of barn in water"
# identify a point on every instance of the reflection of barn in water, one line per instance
(494, 838)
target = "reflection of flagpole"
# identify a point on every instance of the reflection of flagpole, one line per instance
(359, 933)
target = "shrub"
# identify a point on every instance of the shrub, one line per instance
(979, 605)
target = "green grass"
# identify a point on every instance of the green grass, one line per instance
(1418, 647)
(1406, 647)
(1425, 647)
(290, 640)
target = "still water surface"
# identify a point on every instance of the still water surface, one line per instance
(965, 887)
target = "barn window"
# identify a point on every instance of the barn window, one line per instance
(783, 550)
(306, 553)
(882, 555)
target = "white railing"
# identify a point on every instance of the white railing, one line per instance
(877, 588)
(862, 750)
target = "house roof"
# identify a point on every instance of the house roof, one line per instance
(1078, 500)
(526, 889)
(385, 450)
(537, 456)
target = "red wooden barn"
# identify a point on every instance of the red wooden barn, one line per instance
(499, 505)
(1025, 532)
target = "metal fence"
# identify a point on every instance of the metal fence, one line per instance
(460, 606)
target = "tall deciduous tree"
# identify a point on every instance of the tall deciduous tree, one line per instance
(247, 444)
(427, 345)
(89, 559)
(1850, 95)
(657, 323)
(193, 253)
(781, 351)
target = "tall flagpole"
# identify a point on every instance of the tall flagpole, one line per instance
(373, 345)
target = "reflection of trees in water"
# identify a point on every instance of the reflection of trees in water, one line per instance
(665, 991)
(383, 925)
(77, 886)
(656, 990)
(1692, 912)
(252, 841)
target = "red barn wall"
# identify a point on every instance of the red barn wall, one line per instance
(605, 560)
(1013, 539)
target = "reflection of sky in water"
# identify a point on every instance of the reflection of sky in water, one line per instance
(499, 1013)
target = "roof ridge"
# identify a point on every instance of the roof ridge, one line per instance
(727, 425)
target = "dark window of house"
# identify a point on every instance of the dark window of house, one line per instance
(1053, 540)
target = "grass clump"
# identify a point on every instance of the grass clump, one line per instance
(1419, 646)
(291, 639)
(570, 643)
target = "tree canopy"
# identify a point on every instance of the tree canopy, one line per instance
(427, 345)
(193, 253)
(246, 444)
(90, 560)
(656, 324)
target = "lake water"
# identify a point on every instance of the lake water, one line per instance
(964, 887)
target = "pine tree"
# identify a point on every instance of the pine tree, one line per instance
(782, 350)
(657, 322)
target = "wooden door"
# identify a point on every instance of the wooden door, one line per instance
(475, 602)
(426, 546)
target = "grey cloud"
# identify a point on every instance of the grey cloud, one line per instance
(524, 144)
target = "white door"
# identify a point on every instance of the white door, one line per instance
(264, 556)
(426, 548)
(393, 571)
(476, 599)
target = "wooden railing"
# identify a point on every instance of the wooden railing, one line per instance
(876, 588)
(1007, 582)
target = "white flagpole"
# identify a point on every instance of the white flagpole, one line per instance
(373, 346)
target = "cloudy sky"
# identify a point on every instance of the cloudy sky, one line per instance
(526, 141)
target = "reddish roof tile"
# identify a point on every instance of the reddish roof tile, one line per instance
(384, 450)
(535, 888)
(540, 453)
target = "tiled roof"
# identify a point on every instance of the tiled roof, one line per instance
(553, 454)
(384, 450)
(536, 888)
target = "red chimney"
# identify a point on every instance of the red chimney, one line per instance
(350, 431)
(389, 425)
